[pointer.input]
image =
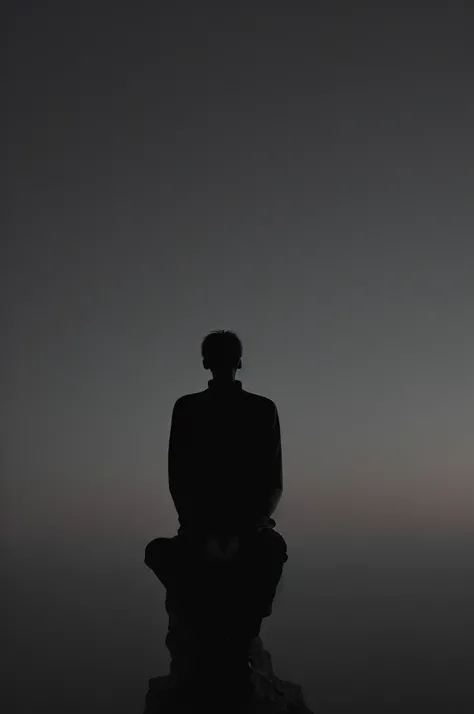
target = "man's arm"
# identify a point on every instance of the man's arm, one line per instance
(275, 465)
(269, 476)
(178, 459)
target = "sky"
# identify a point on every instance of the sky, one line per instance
(301, 173)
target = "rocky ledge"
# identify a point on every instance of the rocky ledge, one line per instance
(260, 692)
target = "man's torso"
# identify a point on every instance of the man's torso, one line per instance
(225, 433)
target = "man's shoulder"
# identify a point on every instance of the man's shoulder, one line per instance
(259, 400)
(188, 401)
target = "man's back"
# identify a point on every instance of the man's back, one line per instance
(225, 463)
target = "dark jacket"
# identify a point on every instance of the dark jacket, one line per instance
(224, 460)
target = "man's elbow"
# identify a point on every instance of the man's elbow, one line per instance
(275, 499)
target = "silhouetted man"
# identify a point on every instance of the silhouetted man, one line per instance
(225, 478)
(224, 459)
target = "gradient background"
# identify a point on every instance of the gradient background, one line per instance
(304, 176)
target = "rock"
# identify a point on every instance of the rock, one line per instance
(216, 606)
(262, 693)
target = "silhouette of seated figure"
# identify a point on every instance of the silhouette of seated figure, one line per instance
(225, 477)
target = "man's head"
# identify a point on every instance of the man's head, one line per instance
(222, 353)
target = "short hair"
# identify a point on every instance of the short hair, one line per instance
(221, 348)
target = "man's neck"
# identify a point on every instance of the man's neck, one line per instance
(224, 383)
